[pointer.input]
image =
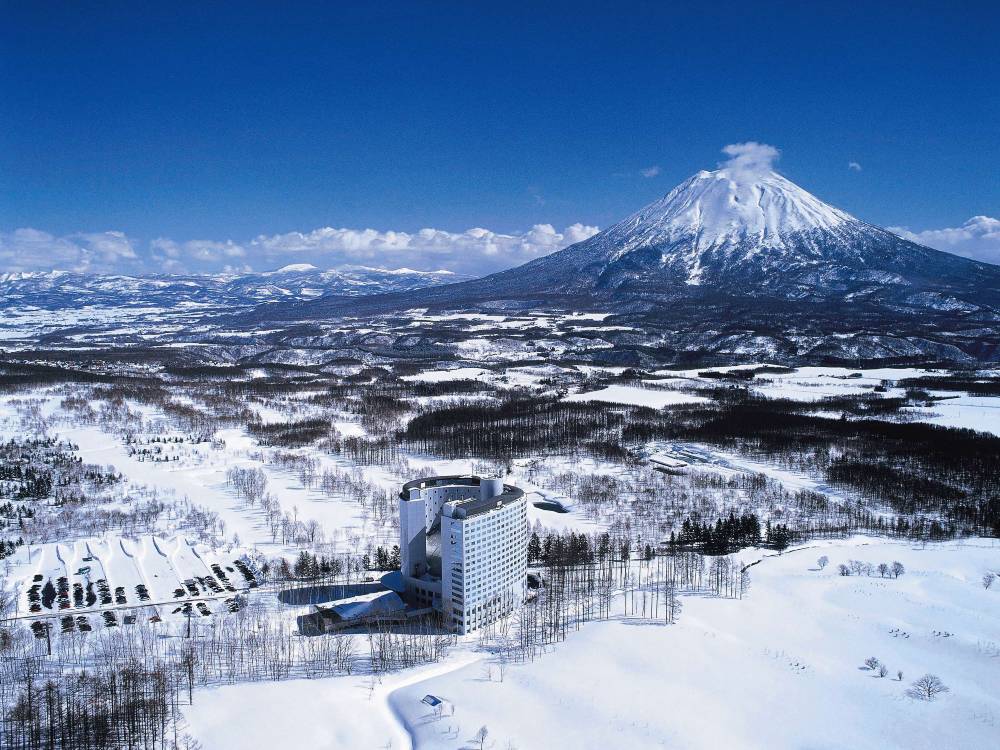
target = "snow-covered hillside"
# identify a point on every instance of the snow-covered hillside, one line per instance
(727, 211)
(298, 281)
(784, 667)
(751, 233)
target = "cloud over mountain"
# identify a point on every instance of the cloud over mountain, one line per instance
(750, 159)
(978, 238)
(475, 251)
(29, 249)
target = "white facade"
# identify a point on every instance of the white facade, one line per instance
(481, 528)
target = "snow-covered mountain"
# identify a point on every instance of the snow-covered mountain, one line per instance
(298, 282)
(719, 218)
(757, 235)
(729, 264)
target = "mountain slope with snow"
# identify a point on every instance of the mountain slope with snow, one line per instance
(756, 235)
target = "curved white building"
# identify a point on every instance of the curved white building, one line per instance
(463, 547)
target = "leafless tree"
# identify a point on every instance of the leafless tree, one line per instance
(897, 569)
(823, 562)
(883, 670)
(927, 688)
(872, 663)
(988, 580)
(481, 736)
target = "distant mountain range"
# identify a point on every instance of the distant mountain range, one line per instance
(63, 290)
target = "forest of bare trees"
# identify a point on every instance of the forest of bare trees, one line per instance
(125, 687)
(666, 535)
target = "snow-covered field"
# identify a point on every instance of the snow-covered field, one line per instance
(805, 384)
(980, 413)
(199, 477)
(784, 667)
(634, 396)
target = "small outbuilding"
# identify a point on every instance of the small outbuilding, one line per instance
(441, 706)
(353, 611)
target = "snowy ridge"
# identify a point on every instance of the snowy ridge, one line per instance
(295, 282)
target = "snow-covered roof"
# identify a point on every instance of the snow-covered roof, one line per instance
(367, 605)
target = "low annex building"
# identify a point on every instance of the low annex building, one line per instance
(463, 548)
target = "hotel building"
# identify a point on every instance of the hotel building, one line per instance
(463, 548)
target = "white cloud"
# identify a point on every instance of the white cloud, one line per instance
(652, 171)
(750, 158)
(29, 250)
(107, 248)
(193, 255)
(854, 166)
(33, 250)
(978, 238)
(476, 251)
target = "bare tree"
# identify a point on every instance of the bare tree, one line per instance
(823, 562)
(843, 570)
(988, 580)
(927, 688)
(883, 570)
(872, 663)
(481, 736)
(883, 670)
(897, 569)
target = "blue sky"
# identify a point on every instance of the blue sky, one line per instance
(170, 138)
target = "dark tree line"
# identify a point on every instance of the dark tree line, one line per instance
(128, 706)
(383, 559)
(289, 434)
(307, 566)
(516, 427)
(726, 536)
(916, 469)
